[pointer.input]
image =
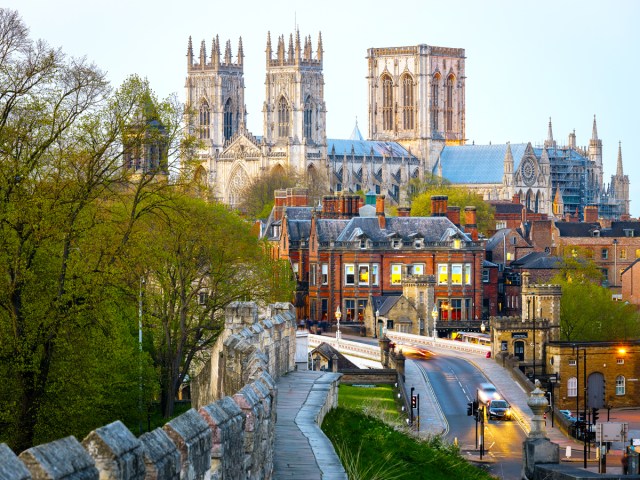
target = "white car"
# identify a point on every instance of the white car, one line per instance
(488, 392)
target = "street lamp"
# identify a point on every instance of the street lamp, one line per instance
(375, 327)
(434, 315)
(483, 327)
(576, 350)
(615, 262)
(338, 317)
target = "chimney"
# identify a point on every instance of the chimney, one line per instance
(297, 197)
(439, 205)
(404, 211)
(328, 206)
(453, 214)
(516, 198)
(590, 214)
(471, 226)
(279, 204)
(382, 221)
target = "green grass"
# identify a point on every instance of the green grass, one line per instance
(373, 443)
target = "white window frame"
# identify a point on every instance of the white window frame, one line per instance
(466, 274)
(621, 388)
(368, 269)
(396, 269)
(456, 266)
(443, 269)
(325, 274)
(375, 274)
(313, 274)
(572, 387)
(352, 268)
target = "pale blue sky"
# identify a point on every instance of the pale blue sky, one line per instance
(526, 61)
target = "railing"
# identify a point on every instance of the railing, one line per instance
(357, 349)
(420, 340)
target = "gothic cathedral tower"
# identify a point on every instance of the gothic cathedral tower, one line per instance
(294, 108)
(417, 98)
(214, 99)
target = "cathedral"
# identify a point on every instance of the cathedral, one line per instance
(416, 121)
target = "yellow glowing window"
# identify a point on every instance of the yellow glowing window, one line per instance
(443, 274)
(418, 269)
(638, 253)
(467, 274)
(363, 274)
(396, 274)
(456, 274)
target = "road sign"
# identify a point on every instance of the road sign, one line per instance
(612, 432)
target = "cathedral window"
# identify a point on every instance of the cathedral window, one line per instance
(435, 101)
(408, 111)
(204, 121)
(387, 103)
(308, 119)
(227, 128)
(449, 105)
(283, 118)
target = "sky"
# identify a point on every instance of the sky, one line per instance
(526, 61)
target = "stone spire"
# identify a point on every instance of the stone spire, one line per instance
(549, 143)
(298, 49)
(227, 53)
(320, 50)
(594, 130)
(558, 203)
(268, 51)
(507, 171)
(240, 52)
(619, 170)
(203, 54)
(290, 52)
(189, 53)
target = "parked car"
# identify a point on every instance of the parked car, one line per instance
(488, 393)
(567, 414)
(500, 409)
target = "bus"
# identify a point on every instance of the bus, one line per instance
(472, 337)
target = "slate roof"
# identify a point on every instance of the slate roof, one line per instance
(341, 147)
(384, 303)
(298, 213)
(327, 351)
(505, 206)
(577, 229)
(431, 229)
(298, 229)
(329, 229)
(496, 239)
(537, 260)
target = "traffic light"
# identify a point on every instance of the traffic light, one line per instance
(414, 401)
(581, 417)
(469, 409)
(594, 415)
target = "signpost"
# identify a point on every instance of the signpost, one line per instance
(609, 432)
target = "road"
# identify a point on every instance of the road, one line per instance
(454, 382)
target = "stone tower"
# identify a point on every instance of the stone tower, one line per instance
(417, 98)
(215, 95)
(294, 108)
(620, 184)
(594, 154)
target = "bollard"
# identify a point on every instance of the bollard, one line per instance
(568, 452)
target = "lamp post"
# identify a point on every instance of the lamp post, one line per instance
(483, 327)
(615, 262)
(577, 350)
(375, 327)
(434, 315)
(534, 340)
(140, 292)
(338, 317)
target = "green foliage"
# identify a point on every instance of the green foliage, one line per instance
(460, 197)
(360, 439)
(257, 195)
(587, 311)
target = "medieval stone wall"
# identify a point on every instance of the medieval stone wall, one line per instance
(231, 438)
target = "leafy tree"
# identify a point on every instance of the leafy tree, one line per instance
(587, 311)
(257, 195)
(198, 258)
(421, 204)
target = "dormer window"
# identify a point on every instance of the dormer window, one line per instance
(396, 243)
(628, 232)
(418, 243)
(363, 243)
(595, 233)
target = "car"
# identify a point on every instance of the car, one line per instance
(487, 392)
(567, 415)
(500, 409)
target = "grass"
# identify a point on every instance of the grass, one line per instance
(372, 442)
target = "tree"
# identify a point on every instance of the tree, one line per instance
(587, 311)
(421, 205)
(198, 258)
(257, 195)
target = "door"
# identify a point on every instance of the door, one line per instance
(595, 390)
(518, 350)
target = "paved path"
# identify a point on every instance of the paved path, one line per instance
(302, 451)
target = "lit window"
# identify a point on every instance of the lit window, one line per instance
(363, 274)
(456, 274)
(623, 254)
(325, 274)
(456, 309)
(416, 269)
(396, 274)
(620, 385)
(349, 310)
(620, 361)
(638, 253)
(572, 387)
(443, 274)
(374, 274)
(349, 274)
(467, 274)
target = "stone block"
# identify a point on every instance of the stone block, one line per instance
(116, 452)
(192, 436)
(62, 459)
(11, 468)
(538, 451)
(161, 456)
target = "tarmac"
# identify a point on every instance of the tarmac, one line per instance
(302, 451)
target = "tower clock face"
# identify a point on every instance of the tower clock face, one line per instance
(528, 171)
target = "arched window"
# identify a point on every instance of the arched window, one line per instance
(283, 118)
(387, 102)
(204, 120)
(572, 387)
(620, 385)
(435, 101)
(537, 205)
(529, 200)
(308, 119)
(227, 128)
(449, 103)
(407, 102)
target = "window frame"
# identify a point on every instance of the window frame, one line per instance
(364, 267)
(349, 267)
(443, 274)
(396, 272)
(325, 274)
(621, 385)
(375, 274)
(572, 387)
(454, 267)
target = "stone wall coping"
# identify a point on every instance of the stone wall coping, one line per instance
(61, 459)
(11, 468)
(116, 451)
(192, 436)
(161, 455)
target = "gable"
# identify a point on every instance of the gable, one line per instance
(242, 147)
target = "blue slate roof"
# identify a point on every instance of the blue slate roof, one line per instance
(477, 163)
(431, 229)
(298, 229)
(347, 147)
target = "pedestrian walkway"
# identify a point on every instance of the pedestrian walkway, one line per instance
(302, 450)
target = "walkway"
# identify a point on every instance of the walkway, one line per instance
(302, 451)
